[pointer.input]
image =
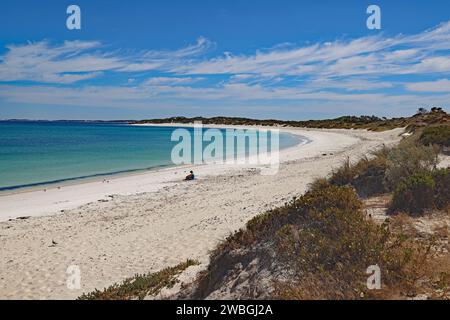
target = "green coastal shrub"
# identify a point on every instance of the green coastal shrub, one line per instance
(386, 168)
(323, 243)
(423, 191)
(439, 135)
(415, 194)
(344, 174)
(265, 225)
(367, 176)
(331, 244)
(371, 181)
(318, 184)
(441, 179)
(406, 160)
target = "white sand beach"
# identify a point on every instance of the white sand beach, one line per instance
(147, 221)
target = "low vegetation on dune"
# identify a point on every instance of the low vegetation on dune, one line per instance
(422, 118)
(438, 135)
(329, 252)
(140, 286)
(423, 191)
(383, 170)
(316, 247)
(368, 176)
(408, 170)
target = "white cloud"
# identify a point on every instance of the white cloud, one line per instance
(164, 60)
(432, 65)
(343, 73)
(73, 61)
(442, 85)
(174, 81)
(67, 63)
(373, 55)
(349, 84)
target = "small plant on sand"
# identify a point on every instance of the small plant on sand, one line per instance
(140, 286)
(439, 135)
(409, 159)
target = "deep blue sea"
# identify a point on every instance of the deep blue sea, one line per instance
(34, 153)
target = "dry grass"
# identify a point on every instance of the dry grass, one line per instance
(403, 224)
(367, 176)
(441, 231)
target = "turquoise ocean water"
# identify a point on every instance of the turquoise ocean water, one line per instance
(35, 153)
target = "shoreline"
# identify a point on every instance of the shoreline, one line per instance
(75, 185)
(73, 181)
(57, 184)
(152, 222)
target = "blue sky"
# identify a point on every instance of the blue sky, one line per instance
(261, 59)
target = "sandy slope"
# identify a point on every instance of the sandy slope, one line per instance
(153, 220)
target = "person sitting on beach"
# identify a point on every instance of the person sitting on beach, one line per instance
(190, 176)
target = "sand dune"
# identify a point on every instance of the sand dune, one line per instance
(145, 222)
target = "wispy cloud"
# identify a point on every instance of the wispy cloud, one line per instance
(171, 81)
(74, 61)
(373, 72)
(373, 55)
(166, 60)
(352, 84)
(69, 62)
(442, 85)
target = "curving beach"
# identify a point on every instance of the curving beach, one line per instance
(147, 221)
